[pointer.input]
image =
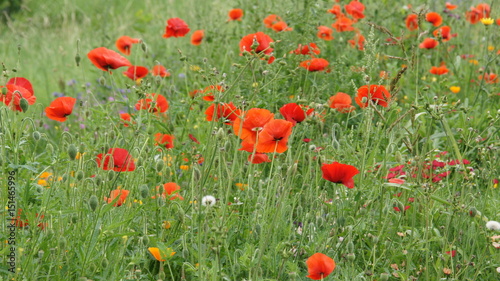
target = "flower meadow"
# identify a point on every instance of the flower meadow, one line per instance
(312, 140)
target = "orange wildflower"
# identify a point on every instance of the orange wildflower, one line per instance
(124, 44)
(434, 18)
(235, 14)
(342, 24)
(325, 33)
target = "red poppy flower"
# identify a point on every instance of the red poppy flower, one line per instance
(452, 253)
(14, 94)
(124, 44)
(252, 123)
(258, 158)
(358, 41)
(475, 14)
(293, 113)
(165, 140)
(176, 28)
(397, 209)
(197, 37)
(160, 70)
(274, 136)
(314, 64)
(434, 18)
(271, 19)
(153, 103)
(439, 70)
(355, 9)
(378, 94)
(319, 266)
(309, 49)
(208, 92)
(343, 24)
(450, 6)
(339, 173)
(235, 14)
(117, 159)
(281, 26)
(136, 72)
(412, 22)
(60, 108)
(106, 59)
(336, 10)
(263, 40)
(228, 111)
(325, 33)
(342, 102)
(120, 193)
(126, 119)
(20, 222)
(428, 43)
(193, 139)
(489, 78)
(21, 82)
(444, 32)
(169, 189)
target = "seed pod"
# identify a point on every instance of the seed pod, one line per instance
(93, 202)
(72, 151)
(351, 256)
(145, 240)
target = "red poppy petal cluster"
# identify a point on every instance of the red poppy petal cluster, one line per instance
(116, 159)
(106, 59)
(176, 27)
(320, 266)
(60, 108)
(339, 173)
(377, 94)
(16, 89)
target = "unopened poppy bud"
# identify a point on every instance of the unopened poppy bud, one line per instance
(255, 44)
(111, 175)
(36, 135)
(341, 221)
(104, 263)
(196, 174)
(102, 80)
(62, 242)
(183, 58)
(220, 134)
(93, 202)
(40, 254)
(144, 47)
(292, 170)
(64, 177)
(384, 276)
(364, 100)
(145, 240)
(398, 205)
(78, 59)
(398, 156)
(4, 91)
(367, 78)
(351, 256)
(72, 151)
(282, 62)
(161, 275)
(144, 191)
(79, 175)
(23, 104)
(350, 247)
(181, 214)
(237, 65)
(185, 252)
(472, 212)
(159, 165)
(98, 180)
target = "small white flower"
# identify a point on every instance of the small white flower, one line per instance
(493, 225)
(208, 200)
